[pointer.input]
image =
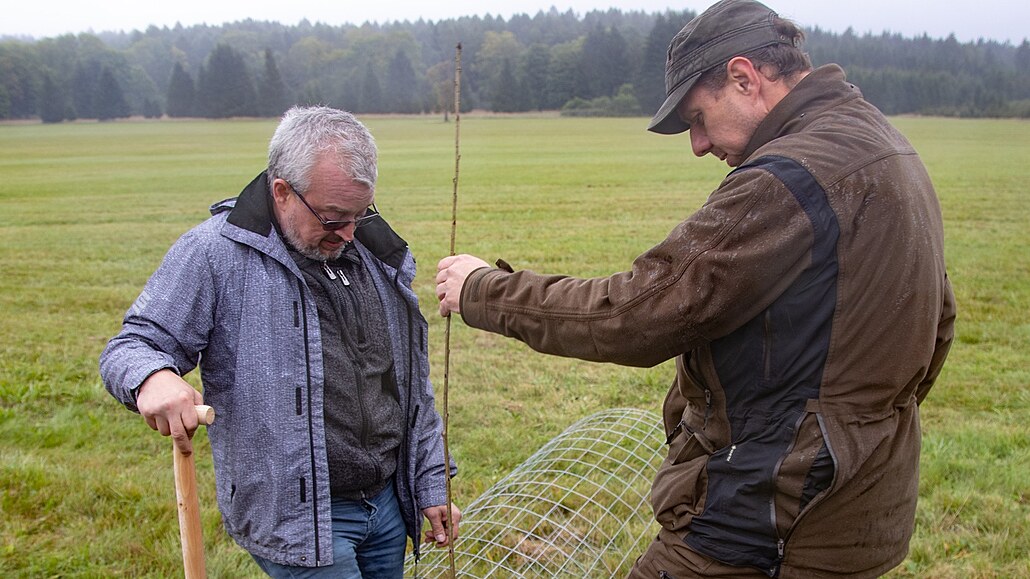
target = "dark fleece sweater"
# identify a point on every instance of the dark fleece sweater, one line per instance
(362, 412)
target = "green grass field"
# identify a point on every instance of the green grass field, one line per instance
(88, 210)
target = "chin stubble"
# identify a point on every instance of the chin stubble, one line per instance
(309, 251)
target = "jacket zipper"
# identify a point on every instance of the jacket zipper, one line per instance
(708, 407)
(413, 505)
(781, 542)
(311, 425)
(768, 346)
(775, 569)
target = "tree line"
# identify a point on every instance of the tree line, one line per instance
(601, 63)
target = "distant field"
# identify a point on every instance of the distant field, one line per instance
(87, 211)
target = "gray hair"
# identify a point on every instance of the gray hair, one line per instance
(306, 133)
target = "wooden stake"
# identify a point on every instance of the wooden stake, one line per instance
(447, 330)
(190, 532)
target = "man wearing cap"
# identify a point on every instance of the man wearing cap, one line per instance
(806, 304)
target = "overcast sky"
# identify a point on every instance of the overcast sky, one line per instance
(1001, 20)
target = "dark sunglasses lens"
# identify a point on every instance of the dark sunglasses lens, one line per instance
(358, 222)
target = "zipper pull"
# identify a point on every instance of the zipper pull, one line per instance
(708, 407)
(328, 271)
(346, 281)
(675, 431)
(775, 569)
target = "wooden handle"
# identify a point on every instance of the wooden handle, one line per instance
(190, 531)
(205, 414)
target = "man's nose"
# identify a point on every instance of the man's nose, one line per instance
(699, 141)
(346, 231)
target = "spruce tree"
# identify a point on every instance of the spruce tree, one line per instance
(84, 89)
(151, 109)
(535, 64)
(272, 99)
(110, 99)
(401, 85)
(371, 92)
(182, 93)
(604, 62)
(505, 94)
(53, 103)
(649, 80)
(1023, 58)
(225, 88)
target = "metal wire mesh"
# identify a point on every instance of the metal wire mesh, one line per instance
(578, 507)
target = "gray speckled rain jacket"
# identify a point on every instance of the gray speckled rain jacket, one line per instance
(229, 298)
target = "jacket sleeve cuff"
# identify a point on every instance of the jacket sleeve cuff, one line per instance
(473, 296)
(431, 497)
(124, 369)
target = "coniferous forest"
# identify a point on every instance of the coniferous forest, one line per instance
(599, 63)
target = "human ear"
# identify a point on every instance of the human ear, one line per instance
(280, 191)
(742, 75)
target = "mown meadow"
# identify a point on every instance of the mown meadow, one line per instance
(87, 211)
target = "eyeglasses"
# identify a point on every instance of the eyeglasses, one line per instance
(367, 216)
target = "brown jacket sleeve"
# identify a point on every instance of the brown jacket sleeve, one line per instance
(714, 272)
(945, 336)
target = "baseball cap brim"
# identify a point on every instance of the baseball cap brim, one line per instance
(667, 120)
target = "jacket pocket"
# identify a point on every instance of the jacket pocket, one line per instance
(805, 472)
(678, 491)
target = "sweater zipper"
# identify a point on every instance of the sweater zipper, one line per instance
(359, 376)
(338, 275)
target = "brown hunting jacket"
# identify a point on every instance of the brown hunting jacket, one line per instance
(809, 312)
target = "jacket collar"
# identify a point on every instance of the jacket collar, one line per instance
(253, 212)
(822, 88)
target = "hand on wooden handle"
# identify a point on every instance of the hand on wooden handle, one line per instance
(168, 404)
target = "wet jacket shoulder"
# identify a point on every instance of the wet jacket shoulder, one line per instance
(228, 296)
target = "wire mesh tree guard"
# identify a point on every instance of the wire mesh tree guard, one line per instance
(578, 507)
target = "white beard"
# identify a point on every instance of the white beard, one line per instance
(289, 228)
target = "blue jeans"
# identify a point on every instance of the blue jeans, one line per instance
(369, 538)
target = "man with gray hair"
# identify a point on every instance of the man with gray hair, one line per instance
(806, 303)
(295, 299)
